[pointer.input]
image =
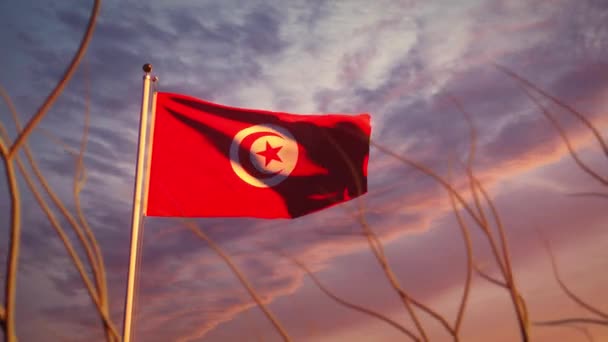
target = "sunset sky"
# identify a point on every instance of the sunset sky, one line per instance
(396, 60)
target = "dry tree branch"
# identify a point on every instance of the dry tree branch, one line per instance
(481, 221)
(2, 309)
(14, 246)
(7, 155)
(474, 189)
(566, 140)
(469, 255)
(598, 136)
(485, 227)
(90, 246)
(488, 277)
(79, 182)
(569, 293)
(429, 172)
(69, 72)
(3, 147)
(241, 277)
(505, 262)
(378, 252)
(64, 238)
(51, 136)
(525, 85)
(475, 184)
(406, 298)
(344, 302)
(516, 298)
(561, 322)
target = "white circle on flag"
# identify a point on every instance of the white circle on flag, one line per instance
(263, 155)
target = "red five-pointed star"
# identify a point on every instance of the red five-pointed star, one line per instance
(271, 153)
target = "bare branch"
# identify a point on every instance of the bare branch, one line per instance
(65, 240)
(469, 263)
(563, 285)
(378, 251)
(69, 149)
(79, 182)
(560, 103)
(516, 298)
(60, 85)
(4, 147)
(487, 277)
(241, 277)
(406, 299)
(561, 322)
(566, 140)
(14, 246)
(427, 171)
(93, 254)
(345, 303)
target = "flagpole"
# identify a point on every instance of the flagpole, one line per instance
(137, 201)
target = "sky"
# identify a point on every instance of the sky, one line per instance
(399, 61)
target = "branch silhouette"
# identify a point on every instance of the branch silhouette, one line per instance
(602, 316)
(596, 132)
(67, 75)
(240, 276)
(91, 248)
(344, 302)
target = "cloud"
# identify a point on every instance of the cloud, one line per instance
(329, 57)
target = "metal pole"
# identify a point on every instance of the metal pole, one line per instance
(137, 201)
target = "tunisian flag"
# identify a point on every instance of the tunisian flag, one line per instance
(210, 160)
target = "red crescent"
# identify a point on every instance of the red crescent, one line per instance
(245, 151)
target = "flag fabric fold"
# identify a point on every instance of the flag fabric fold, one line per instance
(211, 160)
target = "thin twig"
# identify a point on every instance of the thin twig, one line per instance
(566, 140)
(469, 264)
(69, 72)
(14, 246)
(69, 149)
(563, 285)
(378, 251)
(577, 114)
(427, 171)
(3, 146)
(241, 277)
(64, 238)
(79, 182)
(487, 277)
(472, 184)
(93, 253)
(561, 322)
(344, 302)
(516, 297)
(478, 220)
(406, 299)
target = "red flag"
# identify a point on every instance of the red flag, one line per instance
(210, 160)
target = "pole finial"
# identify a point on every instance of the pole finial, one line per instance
(147, 68)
